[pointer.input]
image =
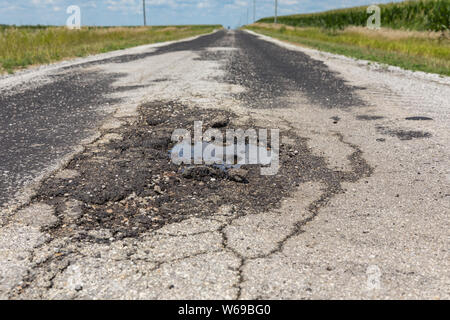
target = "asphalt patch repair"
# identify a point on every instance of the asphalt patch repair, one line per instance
(403, 134)
(128, 185)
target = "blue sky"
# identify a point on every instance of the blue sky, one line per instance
(159, 12)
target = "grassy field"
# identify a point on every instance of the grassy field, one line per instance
(31, 45)
(413, 50)
(422, 15)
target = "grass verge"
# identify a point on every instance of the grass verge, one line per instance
(413, 50)
(24, 46)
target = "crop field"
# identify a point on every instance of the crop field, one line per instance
(414, 35)
(31, 45)
(433, 15)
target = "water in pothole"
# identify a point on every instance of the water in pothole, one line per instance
(219, 155)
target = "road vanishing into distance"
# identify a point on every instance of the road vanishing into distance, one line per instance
(93, 207)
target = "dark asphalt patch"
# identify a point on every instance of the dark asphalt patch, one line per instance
(418, 118)
(269, 72)
(130, 186)
(403, 134)
(42, 124)
(368, 117)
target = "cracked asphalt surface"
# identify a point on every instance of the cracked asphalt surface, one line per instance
(93, 208)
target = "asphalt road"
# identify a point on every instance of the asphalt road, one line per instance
(92, 207)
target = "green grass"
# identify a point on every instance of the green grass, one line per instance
(31, 45)
(419, 51)
(433, 15)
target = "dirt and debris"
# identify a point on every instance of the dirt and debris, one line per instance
(202, 173)
(238, 175)
(220, 122)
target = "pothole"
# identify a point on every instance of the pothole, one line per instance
(129, 186)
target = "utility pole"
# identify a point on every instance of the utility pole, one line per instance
(276, 10)
(254, 11)
(143, 7)
(247, 16)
